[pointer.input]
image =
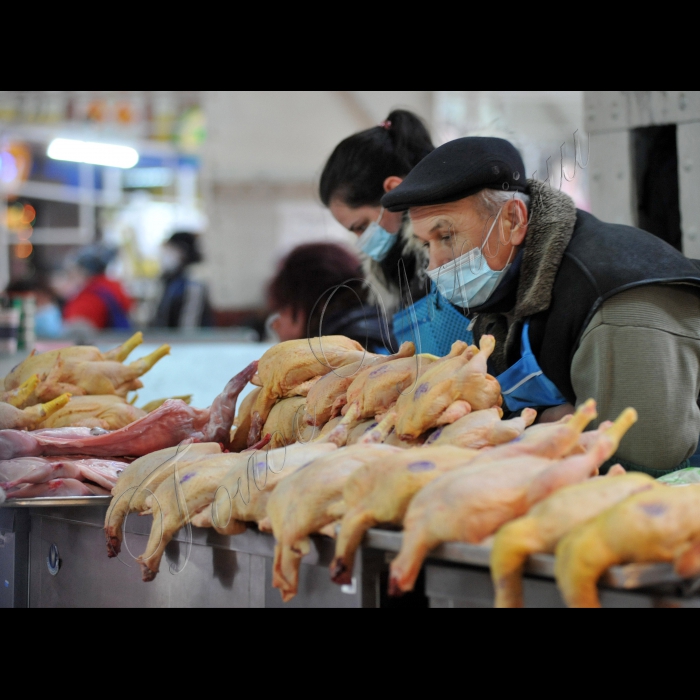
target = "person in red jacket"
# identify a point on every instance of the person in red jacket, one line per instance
(98, 301)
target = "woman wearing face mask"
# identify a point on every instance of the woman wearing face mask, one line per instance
(185, 302)
(363, 168)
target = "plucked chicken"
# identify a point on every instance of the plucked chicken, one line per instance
(244, 492)
(376, 390)
(167, 426)
(660, 525)
(285, 423)
(141, 478)
(542, 528)
(106, 412)
(468, 505)
(293, 367)
(482, 429)
(449, 389)
(12, 418)
(380, 491)
(307, 501)
(328, 396)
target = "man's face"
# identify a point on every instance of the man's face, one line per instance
(450, 230)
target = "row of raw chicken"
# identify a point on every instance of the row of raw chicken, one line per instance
(60, 418)
(450, 470)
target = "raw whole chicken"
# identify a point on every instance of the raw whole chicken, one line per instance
(285, 424)
(244, 492)
(661, 525)
(380, 491)
(293, 367)
(12, 418)
(83, 370)
(375, 391)
(38, 470)
(307, 501)
(241, 424)
(58, 488)
(328, 396)
(141, 478)
(482, 429)
(106, 412)
(167, 426)
(18, 397)
(451, 388)
(468, 505)
(42, 363)
(542, 528)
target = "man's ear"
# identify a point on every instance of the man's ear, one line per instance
(516, 215)
(391, 182)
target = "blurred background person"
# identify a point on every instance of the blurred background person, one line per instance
(361, 169)
(316, 274)
(185, 301)
(48, 321)
(93, 300)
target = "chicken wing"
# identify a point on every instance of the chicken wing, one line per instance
(542, 528)
(660, 525)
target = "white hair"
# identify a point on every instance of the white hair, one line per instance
(491, 201)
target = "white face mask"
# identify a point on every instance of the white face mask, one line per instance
(170, 260)
(375, 241)
(468, 280)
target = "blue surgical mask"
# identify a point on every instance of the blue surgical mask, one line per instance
(376, 242)
(468, 280)
(48, 322)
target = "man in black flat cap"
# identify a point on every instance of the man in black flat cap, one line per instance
(579, 308)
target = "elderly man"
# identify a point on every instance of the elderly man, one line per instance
(579, 308)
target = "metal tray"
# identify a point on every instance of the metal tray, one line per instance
(628, 577)
(57, 501)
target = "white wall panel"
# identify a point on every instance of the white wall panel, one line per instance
(612, 197)
(606, 110)
(689, 181)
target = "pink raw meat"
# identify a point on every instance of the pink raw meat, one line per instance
(38, 470)
(55, 487)
(167, 426)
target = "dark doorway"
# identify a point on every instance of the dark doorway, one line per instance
(656, 172)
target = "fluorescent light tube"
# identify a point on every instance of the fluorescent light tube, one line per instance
(93, 152)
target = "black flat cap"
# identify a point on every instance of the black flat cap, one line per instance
(458, 169)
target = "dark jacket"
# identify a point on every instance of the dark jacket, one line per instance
(362, 324)
(184, 304)
(571, 264)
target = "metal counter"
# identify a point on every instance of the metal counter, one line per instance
(56, 557)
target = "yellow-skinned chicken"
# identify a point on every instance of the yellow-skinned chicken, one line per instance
(293, 367)
(307, 501)
(328, 396)
(544, 526)
(141, 478)
(660, 525)
(285, 423)
(483, 429)
(451, 388)
(380, 491)
(106, 412)
(30, 418)
(376, 390)
(468, 505)
(241, 424)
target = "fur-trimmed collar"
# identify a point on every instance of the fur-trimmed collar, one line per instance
(552, 221)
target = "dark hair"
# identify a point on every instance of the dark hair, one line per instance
(188, 243)
(309, 273)
(358, 166)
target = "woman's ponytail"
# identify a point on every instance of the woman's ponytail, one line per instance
(358, 166)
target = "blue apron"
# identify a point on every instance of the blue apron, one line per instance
(524, 385)
(433, 324)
